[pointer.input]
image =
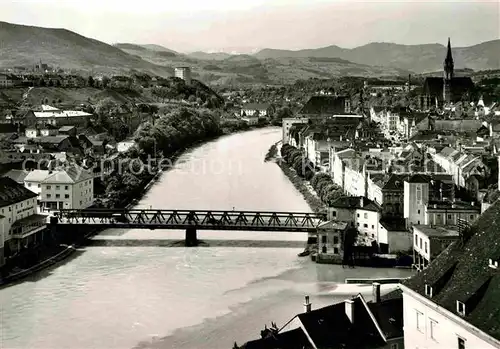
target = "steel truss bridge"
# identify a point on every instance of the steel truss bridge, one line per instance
(192, 220)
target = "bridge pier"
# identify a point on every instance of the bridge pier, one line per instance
(191, 237)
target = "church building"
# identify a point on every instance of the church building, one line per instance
(448, 89)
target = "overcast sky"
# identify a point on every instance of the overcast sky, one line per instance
(189, 25)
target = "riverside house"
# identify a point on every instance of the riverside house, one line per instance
(20, 225)
(65, 188)
(453, 303)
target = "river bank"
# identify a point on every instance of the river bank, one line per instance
(63, 246)
(114, 296)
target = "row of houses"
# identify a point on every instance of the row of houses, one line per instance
(451, 303)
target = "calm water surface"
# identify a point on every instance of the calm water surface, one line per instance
(146, 295)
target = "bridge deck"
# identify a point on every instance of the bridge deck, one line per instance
(184, 219)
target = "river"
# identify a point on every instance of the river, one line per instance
(149, 295)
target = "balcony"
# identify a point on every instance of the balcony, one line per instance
(27, 226)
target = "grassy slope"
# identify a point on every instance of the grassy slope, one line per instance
(25, 45)
(69, 95)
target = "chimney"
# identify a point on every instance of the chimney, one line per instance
(307, 305)
(361, 201)
(349, 309)
(376, 292)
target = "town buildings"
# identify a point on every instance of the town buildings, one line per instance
(453, 302)
(19, 220)
(64, 188)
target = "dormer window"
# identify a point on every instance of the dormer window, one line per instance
(428, 290)
(460, 308)
(493, 263)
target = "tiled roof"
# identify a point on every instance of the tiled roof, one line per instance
(72, 174)
(329, 327)
(12, 192)
(395, 182)
(389, 316)
(447, 152)
(17, 175)
(472, 275)
(294, 339)
(354, 202)
(417, 178)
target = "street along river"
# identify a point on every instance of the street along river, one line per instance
(129, 289)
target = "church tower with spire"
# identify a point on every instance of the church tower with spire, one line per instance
(448, 74)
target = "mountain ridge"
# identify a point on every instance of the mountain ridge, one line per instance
(24, 45)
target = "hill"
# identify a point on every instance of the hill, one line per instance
(158, 48)
(25, 45)
(416, 58)
(214, 56)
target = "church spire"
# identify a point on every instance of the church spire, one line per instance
(448, 63)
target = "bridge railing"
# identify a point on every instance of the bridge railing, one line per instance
(180, 218)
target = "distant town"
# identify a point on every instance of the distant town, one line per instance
(404, 169)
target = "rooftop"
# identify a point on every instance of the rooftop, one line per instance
(17, 175)
(12, 192)
(437, 231)
(471, 258)
(60, 114)
(356, 202)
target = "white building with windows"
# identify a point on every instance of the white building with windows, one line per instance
(183, 73)
(454, 302)
(67, 188)
(19, 221)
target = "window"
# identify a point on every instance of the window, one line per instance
(323, 239)
(358, 224)
(418, 222)
(419, 195)
(48, 196)
(432, 328)
(449, 216)
(334, 213)
(420, 242)
(366, 215)
(418, 211)
(66, 196)
(58, 187)
(425, 247)
(428, 290)
(420, 319)
(460, 308)
(365, 225)
(57, 196)
(358, 215)
(394, 346)
(416, 240)
(461, 343)
(336, 250)
(38, 185)
(48, 187)
(335, 240)
(471, 216)
(66, 187)
(29, 185)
